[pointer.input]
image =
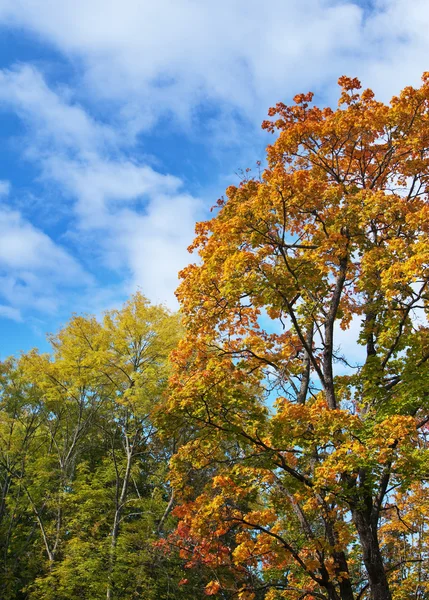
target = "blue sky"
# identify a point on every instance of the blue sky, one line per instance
(123, 121)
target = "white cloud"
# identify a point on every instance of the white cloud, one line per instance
(172, 55)
(395, 46)
(137, 220)
(57, 125)
(156, 244)
(33, 267)
(103, 185)
(140, 220)
(23, 247)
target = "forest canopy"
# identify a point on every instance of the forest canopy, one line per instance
(238, 449)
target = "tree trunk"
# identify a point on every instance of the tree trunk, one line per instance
(328, 349)
(118, 514)
(372, 556)
(346, 588)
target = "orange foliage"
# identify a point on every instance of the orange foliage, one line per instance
(297, 477)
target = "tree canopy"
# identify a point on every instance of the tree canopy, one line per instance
(83, 473)
(304, 471)
(270, 440)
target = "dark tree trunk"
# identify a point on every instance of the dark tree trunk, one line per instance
(372, 558)
(346, 588)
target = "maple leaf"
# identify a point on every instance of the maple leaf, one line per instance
(212, 588)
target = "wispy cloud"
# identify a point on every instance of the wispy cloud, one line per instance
(33, 269)
(4, 188)
(11, 313)
(140, 220)
(170, 56)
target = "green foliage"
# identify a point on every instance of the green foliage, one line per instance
(84, 487)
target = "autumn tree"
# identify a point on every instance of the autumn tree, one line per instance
(312, 439)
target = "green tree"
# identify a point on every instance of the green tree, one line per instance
(85, 489)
